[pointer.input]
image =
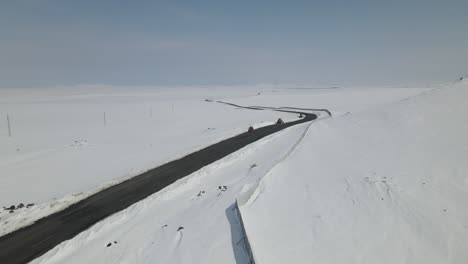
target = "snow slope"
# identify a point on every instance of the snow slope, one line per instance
(386, 185)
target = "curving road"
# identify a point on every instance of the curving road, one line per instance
(30, 242)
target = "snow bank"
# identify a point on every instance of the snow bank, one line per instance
(387, 185)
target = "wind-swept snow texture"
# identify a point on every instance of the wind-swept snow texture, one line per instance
(387, 185)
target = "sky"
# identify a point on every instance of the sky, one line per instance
(220, 42)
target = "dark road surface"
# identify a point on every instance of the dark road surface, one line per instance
(32, 241)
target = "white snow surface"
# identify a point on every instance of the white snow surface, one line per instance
(385, 185)
(67, 152)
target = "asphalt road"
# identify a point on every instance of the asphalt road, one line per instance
(30, 242)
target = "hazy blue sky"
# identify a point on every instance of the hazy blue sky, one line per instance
(64, 42)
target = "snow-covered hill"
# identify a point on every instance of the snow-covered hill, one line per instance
(386, 185)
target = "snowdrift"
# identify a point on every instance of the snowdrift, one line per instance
(386, 185)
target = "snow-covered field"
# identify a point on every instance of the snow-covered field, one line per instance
(387, 185)
(310, 193)
(62, 148)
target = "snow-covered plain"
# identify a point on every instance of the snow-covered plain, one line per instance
(386, 185)
(144, 128)
(67, 143)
